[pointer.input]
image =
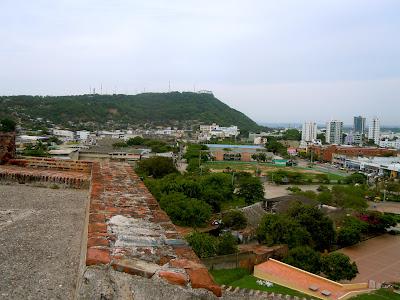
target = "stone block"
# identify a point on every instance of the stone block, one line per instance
(95, 256)
(174, 277)
(135, 267)
(201, 279)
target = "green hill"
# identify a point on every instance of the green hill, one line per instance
(119, 111)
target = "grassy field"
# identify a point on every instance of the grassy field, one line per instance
(242, 278)
(378, 295)
(268, 167)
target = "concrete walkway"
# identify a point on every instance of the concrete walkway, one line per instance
(40, 239)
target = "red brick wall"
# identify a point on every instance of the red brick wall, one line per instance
(7, 146)
(327, 152)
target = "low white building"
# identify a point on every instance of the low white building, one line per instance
(390, 144)
(82, 135)
(214, 130)
(67, 135)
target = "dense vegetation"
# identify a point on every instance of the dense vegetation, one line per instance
(156, 167)
(157, 146)
(206, 245)
(189, 199)
(7, 125)
(94, 111)
(308, 232)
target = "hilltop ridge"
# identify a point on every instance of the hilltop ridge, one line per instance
(183, 109)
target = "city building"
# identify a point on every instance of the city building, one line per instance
(374, 131)
(233, 152)
(377, 166)
(353, 138)
(82, 135)
(215, 131)
(66, 135)
(359, 125)
(390, 144)
(258, 138)
(309, 132)
(325, 153)
(334, 132)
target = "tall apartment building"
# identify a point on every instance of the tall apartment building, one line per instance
(374, 131)
(359, 124)
(309, 132)
(334, 132)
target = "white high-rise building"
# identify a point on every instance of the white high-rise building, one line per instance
(309, 132)
(334, 132)
(374, 131)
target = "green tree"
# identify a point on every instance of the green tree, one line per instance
(156, 166)
(305, 258)
(227, 244)
(348, 236)
(355, 178)
(292, 135)
(251, 189)
(349, 197)
(234, 219)
(316, 223)
(121, 144)
(203, 244)
(337, 266)
(38, 150)
(281, 229)
(136, 141)
(185, 211)
(261, 156)
(7, 125)
(276, 147)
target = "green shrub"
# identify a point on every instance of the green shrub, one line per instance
(234, 219)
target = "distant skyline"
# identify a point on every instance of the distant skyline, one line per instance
(285, 61)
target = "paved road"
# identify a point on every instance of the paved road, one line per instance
(387, 206)
(377, 259)
(40, 236)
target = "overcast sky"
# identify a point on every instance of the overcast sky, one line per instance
(276, 61)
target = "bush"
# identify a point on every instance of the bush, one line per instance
(337, 266)
(227, 244)
(156, 166)
(377, 221)
(304, 258)
(136, 141)
(355, 178)
(203, 244)
(322, 178)
(325, 197)
(234, 219)
(185, 211)
(7, 125)
(348, 236)
(294, 189)
(316, 223)
(281, 229)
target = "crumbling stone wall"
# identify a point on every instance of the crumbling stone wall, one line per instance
(7, 146)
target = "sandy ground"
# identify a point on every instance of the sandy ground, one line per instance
(377, 259)
(40, 237)
(273, 190)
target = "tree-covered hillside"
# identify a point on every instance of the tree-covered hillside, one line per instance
(179, 109)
